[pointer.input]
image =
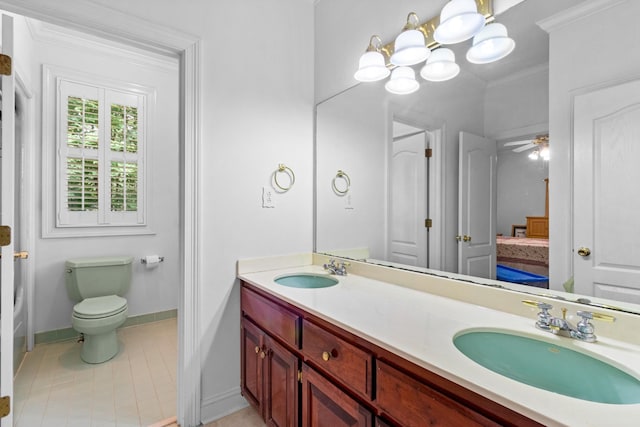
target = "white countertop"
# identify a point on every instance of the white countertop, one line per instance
(420, 327)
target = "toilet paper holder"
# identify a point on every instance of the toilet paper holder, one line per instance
(144, 260)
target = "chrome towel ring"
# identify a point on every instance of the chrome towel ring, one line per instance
(341, 175)
(287, 171)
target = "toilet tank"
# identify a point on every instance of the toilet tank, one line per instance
(98, 276)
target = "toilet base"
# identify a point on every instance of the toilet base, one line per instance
(99, 348)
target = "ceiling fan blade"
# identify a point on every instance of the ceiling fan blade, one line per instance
(524, 148)
(509, 144)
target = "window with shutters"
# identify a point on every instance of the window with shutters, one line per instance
(101, 140)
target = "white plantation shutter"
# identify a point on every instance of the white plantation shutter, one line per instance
(101, 151)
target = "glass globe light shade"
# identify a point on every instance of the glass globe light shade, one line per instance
(490, 45)
(409, 48)
(534, 155)
(372, 67)
(403, 81)
(440, 66)
(459, 21)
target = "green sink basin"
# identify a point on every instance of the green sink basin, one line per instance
(550, 367)
(306, 280)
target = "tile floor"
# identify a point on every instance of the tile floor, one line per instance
(247, 417)
(54, 388)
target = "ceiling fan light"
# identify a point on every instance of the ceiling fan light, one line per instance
(545, 154)
(490, 45)
(372, 67)
(440, 66)
(534, 155)
(403, 81)
(409, 48)
(459, 21)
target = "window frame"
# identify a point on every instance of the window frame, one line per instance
(57, 220)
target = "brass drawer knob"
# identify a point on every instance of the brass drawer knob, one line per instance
(326, 356)
(257, 349)
(262, 355)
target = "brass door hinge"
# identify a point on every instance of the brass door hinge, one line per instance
(5, 406)
(5, 235)
(428, 152)
(428, 223)
(5, 65)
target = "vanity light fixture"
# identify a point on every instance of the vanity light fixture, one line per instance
(372, 65)
(410, 47)
(440, 66)
(403, 81)
(459, 21)
(491, 44)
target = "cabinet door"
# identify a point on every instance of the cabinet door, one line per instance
(281, 386)
(252, 352)
(324, 405)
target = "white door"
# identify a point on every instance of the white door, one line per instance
(7, 218)
(477, 206)
(607, 193)
(408, 238)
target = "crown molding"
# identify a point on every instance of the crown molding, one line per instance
(46, 33)
(576, 13)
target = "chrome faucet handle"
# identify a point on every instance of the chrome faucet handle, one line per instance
(544, 317)
(586, 331)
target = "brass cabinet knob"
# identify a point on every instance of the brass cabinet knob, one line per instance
(326, 356)
(257, 349)
(584, 252)
(262, 355)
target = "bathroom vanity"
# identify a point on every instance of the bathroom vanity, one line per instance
(370, 353)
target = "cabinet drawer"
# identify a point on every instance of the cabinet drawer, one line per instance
(324, 404)
(271, 317)
(414, 404)
(346, 362)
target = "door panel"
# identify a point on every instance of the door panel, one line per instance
(606, 192)
(477, 206)
(408, 201)
(7, 218)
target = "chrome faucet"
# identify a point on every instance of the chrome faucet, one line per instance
(340, 268)
(583, 331)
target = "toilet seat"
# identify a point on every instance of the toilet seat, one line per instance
(99, 307)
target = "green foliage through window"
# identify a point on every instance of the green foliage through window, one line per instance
(124, 128)
(124, 186)
(82, 184)
(82, 122)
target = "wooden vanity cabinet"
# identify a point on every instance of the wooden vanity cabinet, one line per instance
(269, 377)
(300, 370)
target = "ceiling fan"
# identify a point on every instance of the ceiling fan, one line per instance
(540, 143)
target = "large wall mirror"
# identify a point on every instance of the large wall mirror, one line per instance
(380, 199)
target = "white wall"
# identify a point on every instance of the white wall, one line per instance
(518, 105)
(152, 290)
(580, 59)
(257, 111)
(521, 189)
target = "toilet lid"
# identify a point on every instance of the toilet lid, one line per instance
(92, 308)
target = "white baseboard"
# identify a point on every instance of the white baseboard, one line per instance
(220, 405)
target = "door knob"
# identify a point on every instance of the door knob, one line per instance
(466, 238)
(584, 252)
(19, 255)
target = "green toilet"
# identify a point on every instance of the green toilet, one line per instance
(97, 285)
